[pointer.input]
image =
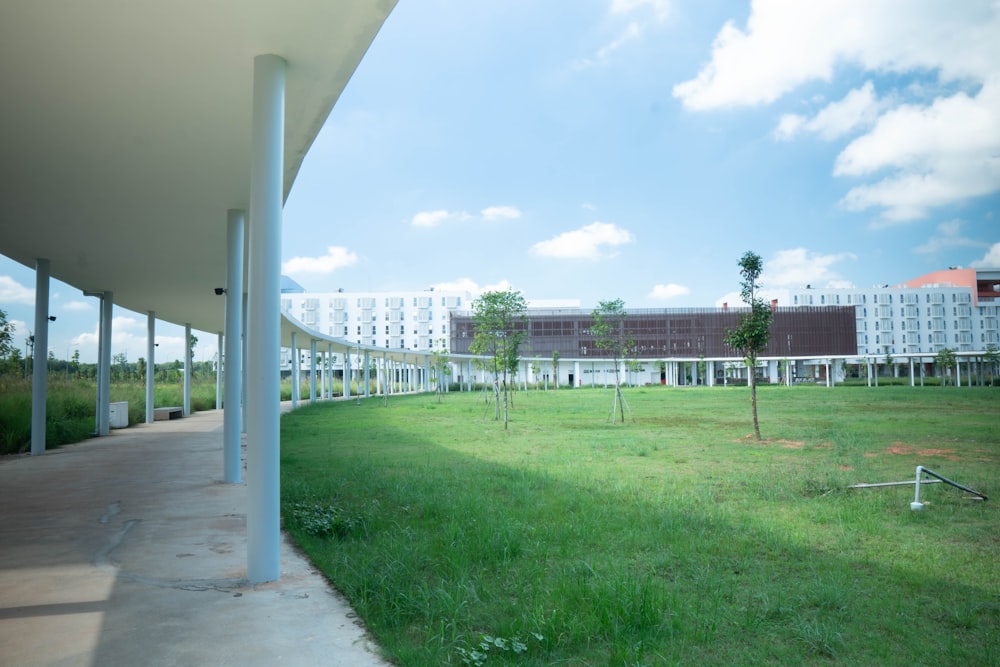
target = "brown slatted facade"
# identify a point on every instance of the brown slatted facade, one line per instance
(680, 333)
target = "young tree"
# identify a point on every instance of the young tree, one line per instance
(441, 368)
(555, 369)
(608, 329)
(536, 371)
(120, 367)
(991, 358)
(751, 336)
(946, 360)
(192, 342)
(498, 320)
(6, 335)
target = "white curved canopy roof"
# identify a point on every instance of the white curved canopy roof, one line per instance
(125, 133)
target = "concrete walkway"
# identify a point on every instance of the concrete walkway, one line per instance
(129, 550)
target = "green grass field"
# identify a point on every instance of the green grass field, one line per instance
(672, 540)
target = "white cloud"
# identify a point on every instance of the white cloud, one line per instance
(471, 286)
(798, 267)
(78, 306)
(431, 218)
(336, 257)
(991, 260)
(492, 213)
(12, 291)
(631, 32)
(859, 108)
(588, 242)
(916, 157)
(637, 14)
(789, 125)
(668, 291)
(441, 216)
(936, 155)
(788, 42)
(948, 236)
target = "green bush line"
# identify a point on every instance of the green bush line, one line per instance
(673, 540)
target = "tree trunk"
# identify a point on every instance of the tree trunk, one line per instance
(753, 397)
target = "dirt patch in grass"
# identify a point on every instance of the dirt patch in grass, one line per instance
(944, 453)
(787, 444)
(901, 449)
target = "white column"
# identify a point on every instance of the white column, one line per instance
(322, 375)
(295, 372)
(234, 349)
(150, 367)
(243, 367)
(347, 373)
(367, 375)
(312, 371)
(40, 357)
(187, 369)
(264, 332)
(329, 370)
(104, 407)
(218, 372)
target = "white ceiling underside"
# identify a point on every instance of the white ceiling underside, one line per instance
(125, 133)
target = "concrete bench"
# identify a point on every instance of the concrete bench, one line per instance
(163, 414)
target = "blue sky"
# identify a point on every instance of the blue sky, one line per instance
(634, 149)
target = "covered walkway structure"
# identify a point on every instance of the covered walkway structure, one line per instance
(148, 149)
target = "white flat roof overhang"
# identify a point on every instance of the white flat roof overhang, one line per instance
(125, 133)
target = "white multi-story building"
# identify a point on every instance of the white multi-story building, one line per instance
(956, 309)
(399, 320)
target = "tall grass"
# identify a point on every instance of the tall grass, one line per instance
(673, 540)
(71, 407)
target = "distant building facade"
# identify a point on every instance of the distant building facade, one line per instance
(814, 337)
(399, 320)
(676, 346)
(956, 309)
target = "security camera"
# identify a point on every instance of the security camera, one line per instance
(219, 291)
(52, 318)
